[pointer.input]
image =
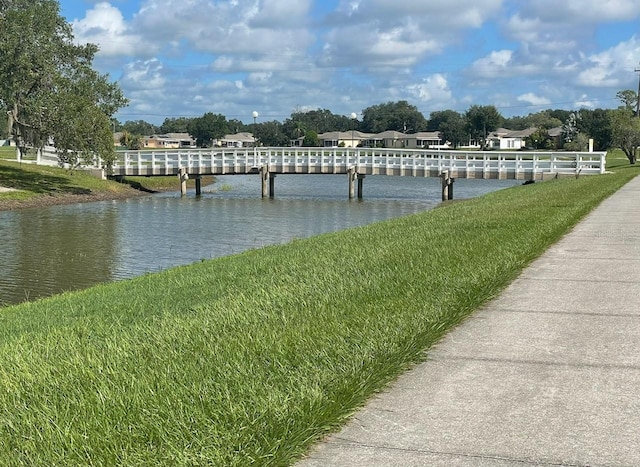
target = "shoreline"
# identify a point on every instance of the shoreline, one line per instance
(52, 199)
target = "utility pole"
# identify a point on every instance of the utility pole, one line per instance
(638, 96)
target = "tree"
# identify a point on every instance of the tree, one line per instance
(450, 124)
(271, 134)
(398, 116)
(540, 139)
(207, 128)
(320, 121)
(131, 141)
(626, 132)
(597, 125)
(311, 139)
(629, 99)
(140, 127)
(48, 88)
(482, 120)
(175, 125)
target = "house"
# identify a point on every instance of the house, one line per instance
(388, 139)
(425, 140)
(347, 139)
(169, 141)
(238, 140)
(504, 139)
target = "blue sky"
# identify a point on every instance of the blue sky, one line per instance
(177, 58)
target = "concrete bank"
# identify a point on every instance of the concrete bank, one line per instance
(546, 374)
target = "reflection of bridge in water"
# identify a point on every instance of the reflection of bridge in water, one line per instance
(356, 163)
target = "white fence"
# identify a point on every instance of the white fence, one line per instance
(460, 164)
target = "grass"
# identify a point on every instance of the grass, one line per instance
(34, 181)
(248, 359)
(169, 183)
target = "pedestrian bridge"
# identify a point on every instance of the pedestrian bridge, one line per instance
(357, 163)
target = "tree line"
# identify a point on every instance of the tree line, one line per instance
(607, 127)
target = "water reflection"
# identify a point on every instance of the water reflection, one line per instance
(46, 251)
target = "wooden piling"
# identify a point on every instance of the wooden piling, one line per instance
(264, 176)
(183, 177)
(447, 185)
(352, 175)
(198, 179)
(361, 178)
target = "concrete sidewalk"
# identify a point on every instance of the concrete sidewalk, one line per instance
(546, 374)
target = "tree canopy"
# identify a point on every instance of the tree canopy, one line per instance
(399, 116)
(48, 88)
(626, 132)
(482, 120)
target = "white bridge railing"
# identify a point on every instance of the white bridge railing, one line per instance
(365, 161)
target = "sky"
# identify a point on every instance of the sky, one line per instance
(184, 58)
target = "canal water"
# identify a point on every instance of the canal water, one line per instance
(50, 250)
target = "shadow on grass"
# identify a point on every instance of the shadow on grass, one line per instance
(38, 183)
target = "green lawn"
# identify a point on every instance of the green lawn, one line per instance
(250, 358)
(34, 181)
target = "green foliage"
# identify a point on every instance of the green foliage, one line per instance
(398, 116)
(319, 121)
(540, 139)
(311, 139)
(626, 132)
(596, 124)
(207, 128)
(450, 124)
(174, 125)
(140, 127)
(132, 141)
(48, 85)
(482, 120)
(629, 98)
(271, 134)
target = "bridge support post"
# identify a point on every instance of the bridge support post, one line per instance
(198, 185)
(352, 174)
(361, 178)
(272, 185)
(447, 185)
(183, 177)
(264, 176)
(267, 189)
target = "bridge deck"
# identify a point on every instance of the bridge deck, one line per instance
(365, 161)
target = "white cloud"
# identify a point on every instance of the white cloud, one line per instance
(572, 11)
(144, 75)
(105, 26)
(373, 33)
(435, 88)
(533, 99)
(613, 67)
(276, 27)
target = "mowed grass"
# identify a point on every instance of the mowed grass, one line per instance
(248, 359)
(33, 181)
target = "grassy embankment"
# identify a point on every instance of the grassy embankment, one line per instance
(248, 359)
(35, 184)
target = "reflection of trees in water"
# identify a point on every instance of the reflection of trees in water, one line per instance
(61, 249)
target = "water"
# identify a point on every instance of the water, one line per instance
(49, 250)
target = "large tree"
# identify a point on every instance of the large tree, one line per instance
(48, 87)
(630, 99)
(626, 132)
(398, 116)
(482, 120)
(207, 128)
(450, 124)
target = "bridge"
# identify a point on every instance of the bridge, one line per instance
(357, 163)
